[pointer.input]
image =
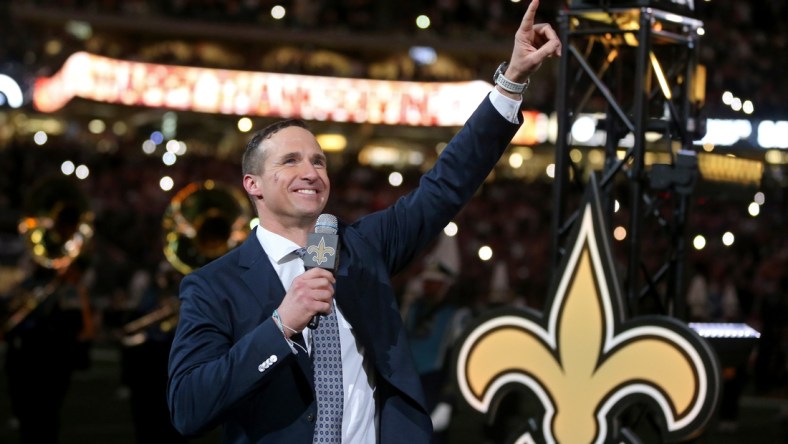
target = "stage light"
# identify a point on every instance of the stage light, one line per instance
(748, 107)
(726, 132)
(169, 158)
(53, 47)
(526, 152)
(515, 160)
(728, 238)
(596, 157)
(166, 183)
(724, 330)
(172, 146)
(119, 128)
(423, 22)
(754, 209)
(415, 158)
(40, 138)
(395, 179)
(771, 134)
(332, 142)
(244, 124)
(583, 129)
(148, 147)
(663, 82)
(79, 29)
(759, 198)
(423, 55)
(82, 172)
(699, 242)
(485, 253)
(278, 12)
(451, 229)
(157, 137)
(67, 167)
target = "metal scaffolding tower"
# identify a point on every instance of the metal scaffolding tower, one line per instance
(630, 85)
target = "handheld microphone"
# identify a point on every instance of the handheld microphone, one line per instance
(322, 250)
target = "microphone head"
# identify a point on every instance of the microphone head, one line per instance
(326, 224)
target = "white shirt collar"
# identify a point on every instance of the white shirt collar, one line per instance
(278, 248)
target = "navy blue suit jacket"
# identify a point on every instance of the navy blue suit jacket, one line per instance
(229, 363)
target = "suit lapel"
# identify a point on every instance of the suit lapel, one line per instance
(258, 275)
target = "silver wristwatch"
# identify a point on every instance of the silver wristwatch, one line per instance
(506, 84)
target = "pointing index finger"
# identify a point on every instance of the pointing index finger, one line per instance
(530, 16)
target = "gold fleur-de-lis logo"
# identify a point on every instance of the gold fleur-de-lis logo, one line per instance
(320, 251)
(582, 360)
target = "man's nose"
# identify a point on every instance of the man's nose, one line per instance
(308, 171)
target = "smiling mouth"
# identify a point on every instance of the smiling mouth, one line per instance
(306, 191)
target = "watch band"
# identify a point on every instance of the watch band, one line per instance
(506, 84)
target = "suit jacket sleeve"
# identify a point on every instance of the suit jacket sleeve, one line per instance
(414, 220)
(213, 366)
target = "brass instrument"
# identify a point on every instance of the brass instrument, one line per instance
(165, 317)
(58, 223)
(57, 227)
(203, 221)
(24, 302)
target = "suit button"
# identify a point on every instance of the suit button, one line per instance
(310, 417)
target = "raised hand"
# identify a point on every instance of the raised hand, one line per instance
(533, 43)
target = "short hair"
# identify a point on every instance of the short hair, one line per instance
(253, 163)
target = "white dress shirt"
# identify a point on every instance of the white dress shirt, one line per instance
(508, 107)
(359, 421)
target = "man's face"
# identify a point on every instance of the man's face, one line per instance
(293, 187)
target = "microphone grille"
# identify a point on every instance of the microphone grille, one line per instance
(326, 224)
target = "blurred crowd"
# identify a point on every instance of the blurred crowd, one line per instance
(740, 48)
(458, 17)
(510, 216)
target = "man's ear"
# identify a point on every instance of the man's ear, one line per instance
(253, 186)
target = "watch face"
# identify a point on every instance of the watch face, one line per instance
(498, 72)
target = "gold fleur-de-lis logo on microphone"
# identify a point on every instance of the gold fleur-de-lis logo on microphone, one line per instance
(582, 360)
(320, 251)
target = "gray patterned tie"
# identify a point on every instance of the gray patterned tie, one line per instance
(327, 363)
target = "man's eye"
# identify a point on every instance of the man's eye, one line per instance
(319, 162)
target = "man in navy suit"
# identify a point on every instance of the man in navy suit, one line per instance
(241, 355)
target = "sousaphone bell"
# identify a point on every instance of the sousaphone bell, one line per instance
(203, 221)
